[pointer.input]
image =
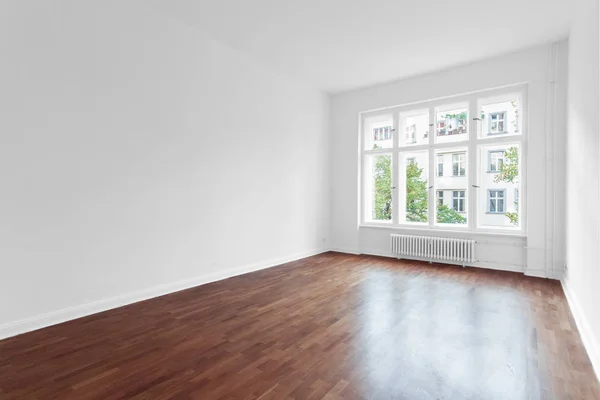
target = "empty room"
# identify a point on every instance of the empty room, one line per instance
(261, 199)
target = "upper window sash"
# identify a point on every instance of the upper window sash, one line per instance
(452, 122)
(378, 132)
(500, 115)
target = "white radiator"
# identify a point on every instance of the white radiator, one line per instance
(459, 251)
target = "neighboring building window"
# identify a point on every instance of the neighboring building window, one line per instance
(497, 122)
(383, 133)
(496, 159)
(458, 200)
(411, 134)
(440, 169)
(410, 160)
(440, 197)
(459, 163)
(496, 201)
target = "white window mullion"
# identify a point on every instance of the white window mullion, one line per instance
(472, 165)
(363, 170)
(395, 166)
(432, 170)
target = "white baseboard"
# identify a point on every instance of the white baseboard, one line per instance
(590, 342)
(57, 317)
(536, 273)
(499, 266)
(479, 264)
(558, 274)
(345, 250)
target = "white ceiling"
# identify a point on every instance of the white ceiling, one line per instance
(337, 45)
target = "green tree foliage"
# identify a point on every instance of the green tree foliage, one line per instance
(417, 200)
(461, 116)
(416, 194)
(447, 215)
(509, 173)
(382, 175)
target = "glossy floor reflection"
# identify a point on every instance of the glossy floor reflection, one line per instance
(331, 326)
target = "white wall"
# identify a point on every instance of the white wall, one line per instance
(582, 279)
(137, 157)
(544, 255)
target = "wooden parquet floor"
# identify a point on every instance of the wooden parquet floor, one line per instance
(332, 326)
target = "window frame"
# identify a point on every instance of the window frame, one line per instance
(477, 137)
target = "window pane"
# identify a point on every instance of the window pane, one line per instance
(414, 126)
(459, 163)
(452, 124)
(451, 188)
(378, 185)
(379, 132)
(499, 182)
(500, 116)
(495, 160)
(413, 196)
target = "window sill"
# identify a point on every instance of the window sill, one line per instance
(443, 229)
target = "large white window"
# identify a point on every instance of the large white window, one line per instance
(465, 170)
